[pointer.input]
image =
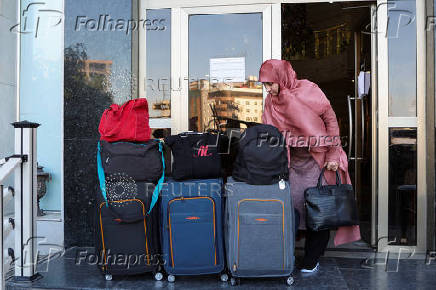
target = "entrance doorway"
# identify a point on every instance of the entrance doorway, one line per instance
(330, 45)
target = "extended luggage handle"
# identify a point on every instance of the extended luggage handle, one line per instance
(102, 178)
(338, 178)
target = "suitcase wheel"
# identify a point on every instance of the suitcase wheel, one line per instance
(290, 280)
(171, 278)
(224, 277)
(158, 276)
(235, 281)
(108, 277)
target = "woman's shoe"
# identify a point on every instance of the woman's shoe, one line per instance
(315, 269)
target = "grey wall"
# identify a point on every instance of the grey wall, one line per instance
(8, 12)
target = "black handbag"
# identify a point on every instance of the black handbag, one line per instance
(330, 206)
(196, 155)
(138, 161)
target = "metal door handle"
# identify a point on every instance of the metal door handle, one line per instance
(362, 104)
(350, 128)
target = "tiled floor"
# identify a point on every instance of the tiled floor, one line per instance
(335, 273)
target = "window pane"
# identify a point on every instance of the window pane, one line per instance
(402, 58)
(223, 74)
(402, 186)
(94, 34)
(158, 43)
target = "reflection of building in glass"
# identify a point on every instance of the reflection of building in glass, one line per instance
(93, 67)
(241, 101)
(163, 107)
(198, 104)
(97, 73)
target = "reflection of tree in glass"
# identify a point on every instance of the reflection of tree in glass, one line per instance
(86, 96)
(85, 99)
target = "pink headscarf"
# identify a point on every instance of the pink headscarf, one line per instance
(297, 109)
(304, 114)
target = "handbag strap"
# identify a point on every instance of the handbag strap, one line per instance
(101, 177)
(338, 178)
(159, 185)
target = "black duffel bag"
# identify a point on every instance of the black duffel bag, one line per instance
(262, 156)
(196, 155)
(139, 161)
(330, 206)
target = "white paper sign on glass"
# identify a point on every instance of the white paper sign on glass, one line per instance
(227, 69)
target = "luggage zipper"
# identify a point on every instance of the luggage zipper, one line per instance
(283, 225)
(182, 198)
(104, 266)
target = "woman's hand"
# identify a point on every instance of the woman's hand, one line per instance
(331, 165)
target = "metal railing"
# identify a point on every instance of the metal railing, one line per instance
(8, 225)
(23, 165)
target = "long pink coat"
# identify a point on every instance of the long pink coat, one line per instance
(304, 115)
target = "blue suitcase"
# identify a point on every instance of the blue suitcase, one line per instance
(192, 227)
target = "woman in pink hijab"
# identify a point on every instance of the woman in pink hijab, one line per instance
(301, 111)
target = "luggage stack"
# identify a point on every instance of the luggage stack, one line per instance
(144, 221)
(260, 221)
(191, 208)
(130, 169)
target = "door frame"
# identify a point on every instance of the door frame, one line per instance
(381, 122)
(385, 123)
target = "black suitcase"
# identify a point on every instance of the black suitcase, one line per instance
(127, 217)
(127, 238)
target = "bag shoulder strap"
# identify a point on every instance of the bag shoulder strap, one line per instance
(100, 171)
(159, 185)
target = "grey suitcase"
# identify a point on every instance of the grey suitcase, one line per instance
(259, 230)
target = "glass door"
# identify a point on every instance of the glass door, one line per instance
(402, 189)
(154, 68)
